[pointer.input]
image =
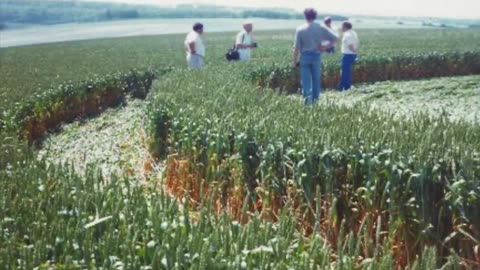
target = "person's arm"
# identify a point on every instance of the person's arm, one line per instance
(357, 45)
(324, 48)
(352, 48)
(191, 46)
(296, 52)
(351, 41)
(296, 49)
(244, 46)
(328, 35)
(239, 42)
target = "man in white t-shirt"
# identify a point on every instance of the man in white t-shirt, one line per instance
(195, 47)
(350, 45)
(244, 43)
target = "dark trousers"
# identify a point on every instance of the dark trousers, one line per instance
(347, 69)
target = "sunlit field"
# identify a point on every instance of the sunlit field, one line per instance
(115, 156)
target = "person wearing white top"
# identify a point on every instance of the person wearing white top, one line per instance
(195, 47)
(244, 43)
(330, 47)
(350, 45)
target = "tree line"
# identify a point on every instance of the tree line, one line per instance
(56, 12)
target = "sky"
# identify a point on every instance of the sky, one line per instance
(417, 8)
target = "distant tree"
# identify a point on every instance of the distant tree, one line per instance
(337, 17)
(263, 13)
(33, 16)
(127, 14)
(108, 14)
(62, 11)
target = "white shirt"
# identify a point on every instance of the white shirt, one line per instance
(246, 39)
(199, 47)
(349, 38)
(326, 42)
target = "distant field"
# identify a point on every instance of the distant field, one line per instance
(21, 35)
(26, 70)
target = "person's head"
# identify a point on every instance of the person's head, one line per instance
(310, 14)
(198, 27)
(248, 26)
(328, 21)
(346, 26)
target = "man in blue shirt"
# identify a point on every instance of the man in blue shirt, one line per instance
(308, 47)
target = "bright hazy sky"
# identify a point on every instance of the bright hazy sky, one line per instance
(421, 8)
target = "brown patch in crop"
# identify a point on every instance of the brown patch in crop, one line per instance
(181, 181)
(89, 102)
(37, 126)
(370, 228)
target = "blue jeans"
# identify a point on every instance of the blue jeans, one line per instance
(310, 72)
(347, 68)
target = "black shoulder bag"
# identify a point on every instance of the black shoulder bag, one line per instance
(233, 54)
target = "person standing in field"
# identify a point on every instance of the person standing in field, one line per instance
(350, 45)
(308, 47)
(244, 43)
(328, 23)
(195, 47)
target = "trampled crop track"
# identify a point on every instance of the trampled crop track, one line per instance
(113, 142)
(106, 135)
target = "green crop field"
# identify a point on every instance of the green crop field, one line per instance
(114, 156)
(26, 70)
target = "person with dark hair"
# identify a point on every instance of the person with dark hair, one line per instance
(195, 47)
(328, 23)
(308, 47)
(350, 45)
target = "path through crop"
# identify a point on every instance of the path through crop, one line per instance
(456, 97)
(114, 142)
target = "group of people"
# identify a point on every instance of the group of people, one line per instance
(311, 40)
(196, 49)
